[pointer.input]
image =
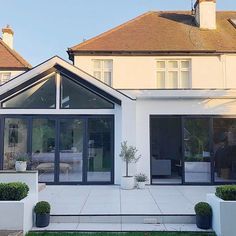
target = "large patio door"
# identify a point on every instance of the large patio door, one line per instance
(197, 150)
(63, 149)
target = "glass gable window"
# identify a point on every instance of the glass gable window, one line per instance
(173, 74)
(75, 96)
(40, 95)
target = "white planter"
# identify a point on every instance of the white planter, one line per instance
(141, 185)
(224, 215)
(21, 166)
(18, 215)
(127, 182)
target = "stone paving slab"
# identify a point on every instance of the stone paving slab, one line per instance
(76, 200)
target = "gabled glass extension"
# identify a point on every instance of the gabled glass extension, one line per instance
(63, 148)
(75, 96)
(40, 95)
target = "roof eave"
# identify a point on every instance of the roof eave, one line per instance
(73, 53)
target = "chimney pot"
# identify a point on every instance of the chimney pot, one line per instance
(7, 36)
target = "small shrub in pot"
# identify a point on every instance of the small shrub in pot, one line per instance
(226, 192)
(141, 179)
(42, 211)
(203, 215)
(21, 162)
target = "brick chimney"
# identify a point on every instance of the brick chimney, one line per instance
(205, 14)
(7, 36)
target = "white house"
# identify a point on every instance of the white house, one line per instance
(165, 82)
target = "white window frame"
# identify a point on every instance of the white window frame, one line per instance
(4, 80)
(102, 70)
(179, 69)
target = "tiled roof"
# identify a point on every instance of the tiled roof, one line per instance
(164, 31)
(9, 58)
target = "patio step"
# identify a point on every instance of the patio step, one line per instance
(125, 219)
(10, 233)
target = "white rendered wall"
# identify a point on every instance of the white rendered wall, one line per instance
(145, 108)
(139, 72)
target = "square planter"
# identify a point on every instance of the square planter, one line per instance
(18, 215)
(224, 215)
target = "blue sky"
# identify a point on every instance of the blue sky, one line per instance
(44, 28)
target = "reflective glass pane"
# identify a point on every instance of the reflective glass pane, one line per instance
(160, 79)
(71, 149)
(97, 74)
(97, 64)
(43, 148)
(108, 64)
(41, 95)
(197, 150)
(15, 141)
(173, 64)
(73, 95)
(185, 79)
(173, 79)
(100, 153)
(224, 141)
(107, 78)
(160, 64)
(185, 64)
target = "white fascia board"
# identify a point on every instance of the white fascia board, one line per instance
(183, 94)
(59, 61)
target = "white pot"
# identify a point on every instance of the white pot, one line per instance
(127, 182)
(224, 215)
(141, 185)
(21, 166)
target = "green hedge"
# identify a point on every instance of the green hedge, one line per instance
(203, 209)
(227, 192)
(42, 207)
(13, 191)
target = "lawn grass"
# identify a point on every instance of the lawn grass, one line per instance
(122, 234)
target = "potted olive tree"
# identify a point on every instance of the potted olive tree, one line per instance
(21, 162)
(203, 215)
(42, 211)
(141, 180)
(128, 155)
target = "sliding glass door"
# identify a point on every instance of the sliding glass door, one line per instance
(100, 149)
(197, 166)
(43, 148)
(15, 140)
(71, 150)
(63, 149)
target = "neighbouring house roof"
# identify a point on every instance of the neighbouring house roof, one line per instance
(10, 59)
(174, 31)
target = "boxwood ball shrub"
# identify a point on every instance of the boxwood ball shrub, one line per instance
(42, 207)
(227, 192)
(203, 209)
(14, 191)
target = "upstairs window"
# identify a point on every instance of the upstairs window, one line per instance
(173, 74)
(102, 70)
(4, 77)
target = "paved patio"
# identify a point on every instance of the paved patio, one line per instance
(99, 200)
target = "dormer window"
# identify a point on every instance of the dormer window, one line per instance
(102, 70)
(4, 77)
(173, 74)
